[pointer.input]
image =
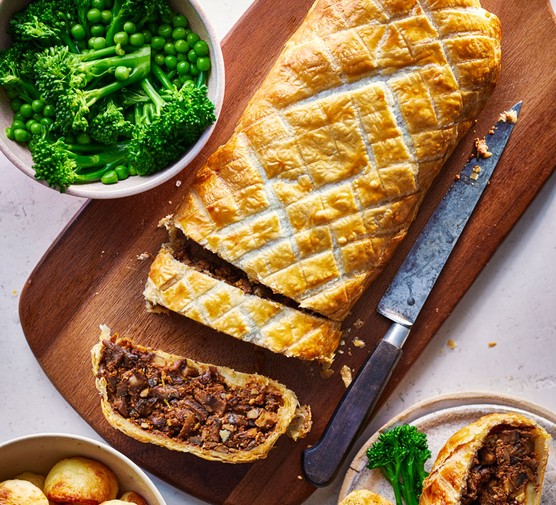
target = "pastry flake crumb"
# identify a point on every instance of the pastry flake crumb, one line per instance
(492, 344)
(358, 324)
(357, 342)
(143, 256)
(451, 344)
(326, 372)
(482, 149)
(345, 373)
(509, 116)
(165, 221)
(178, 184)
(299, 477)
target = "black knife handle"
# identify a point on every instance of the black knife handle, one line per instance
(321, 462)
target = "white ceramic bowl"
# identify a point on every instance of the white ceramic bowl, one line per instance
(21, 157)
(39, 453)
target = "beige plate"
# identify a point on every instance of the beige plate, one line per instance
(439, 418)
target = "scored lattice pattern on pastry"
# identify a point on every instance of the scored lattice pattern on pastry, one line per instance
(329, 162)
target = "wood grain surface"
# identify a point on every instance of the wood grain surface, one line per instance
(91, 275)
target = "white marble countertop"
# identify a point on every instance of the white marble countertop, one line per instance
(513, 303)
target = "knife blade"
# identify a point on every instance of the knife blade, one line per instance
(402, 302)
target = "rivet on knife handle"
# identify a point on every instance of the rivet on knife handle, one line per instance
(322, 461)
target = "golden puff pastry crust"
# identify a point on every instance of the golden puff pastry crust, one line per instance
(204, 298)
(202, 409)
(329, 162)
(364, 497)
(450, 474)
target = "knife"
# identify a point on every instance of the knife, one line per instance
(402, 303)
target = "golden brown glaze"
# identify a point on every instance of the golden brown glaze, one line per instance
(331, 158)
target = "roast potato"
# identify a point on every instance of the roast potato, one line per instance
(80, 480)
(21, 492)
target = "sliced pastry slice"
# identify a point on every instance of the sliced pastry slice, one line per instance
(205, 289)
(213, 412)
(499, 459)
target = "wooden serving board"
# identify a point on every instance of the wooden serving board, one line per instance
(91, 275)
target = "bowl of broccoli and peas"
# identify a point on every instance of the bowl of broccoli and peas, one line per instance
(106, 98)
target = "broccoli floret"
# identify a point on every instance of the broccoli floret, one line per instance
(400, 454)
(110, 125)
(61, 164)
(16, 71)
(169, 124)
(46, 23)
(63, 79)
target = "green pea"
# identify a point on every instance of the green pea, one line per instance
(201, 48)
(194, 70)
(26, 110)
(83, 138)
(121, 38)
(132, 170)
(130, 27)
(165, 31)
(171, 62)
(185, 78)
(90, 42)
(181, 46)
(137, 39)
(176, 82)
(10, 133)
(94, 16)
(18, 115)
(182, 57)
(18, 124)
(98, 30)
(37, 129)
(183, 67)
(122, 172)
(158, 42)
(78, 32)
(49, 110)
(148, 36)
(110, 177)
(192, 56)
(169, 48)
(179, 21)
(203, 64)
(11, 93)
(29, 124)
(99, 43)
(16, 104)
(159, 59)
(106, 17)
(192, 38)
(46, 121)
(122, 73)
(21, 135)
(179, 33)
(37, 117)
(37, 105)
(98, 4)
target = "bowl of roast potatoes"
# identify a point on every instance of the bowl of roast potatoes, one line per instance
(50, 469)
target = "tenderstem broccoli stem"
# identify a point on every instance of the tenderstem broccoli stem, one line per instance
(99, 67)
(151, 92)
(162, 77)
(100, 159)
(96, 175)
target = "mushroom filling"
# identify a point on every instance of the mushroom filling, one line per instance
(195, 256)
(185, 403)
(502, 468)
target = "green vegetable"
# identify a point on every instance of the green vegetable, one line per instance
(400, 454)
(104, 89)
